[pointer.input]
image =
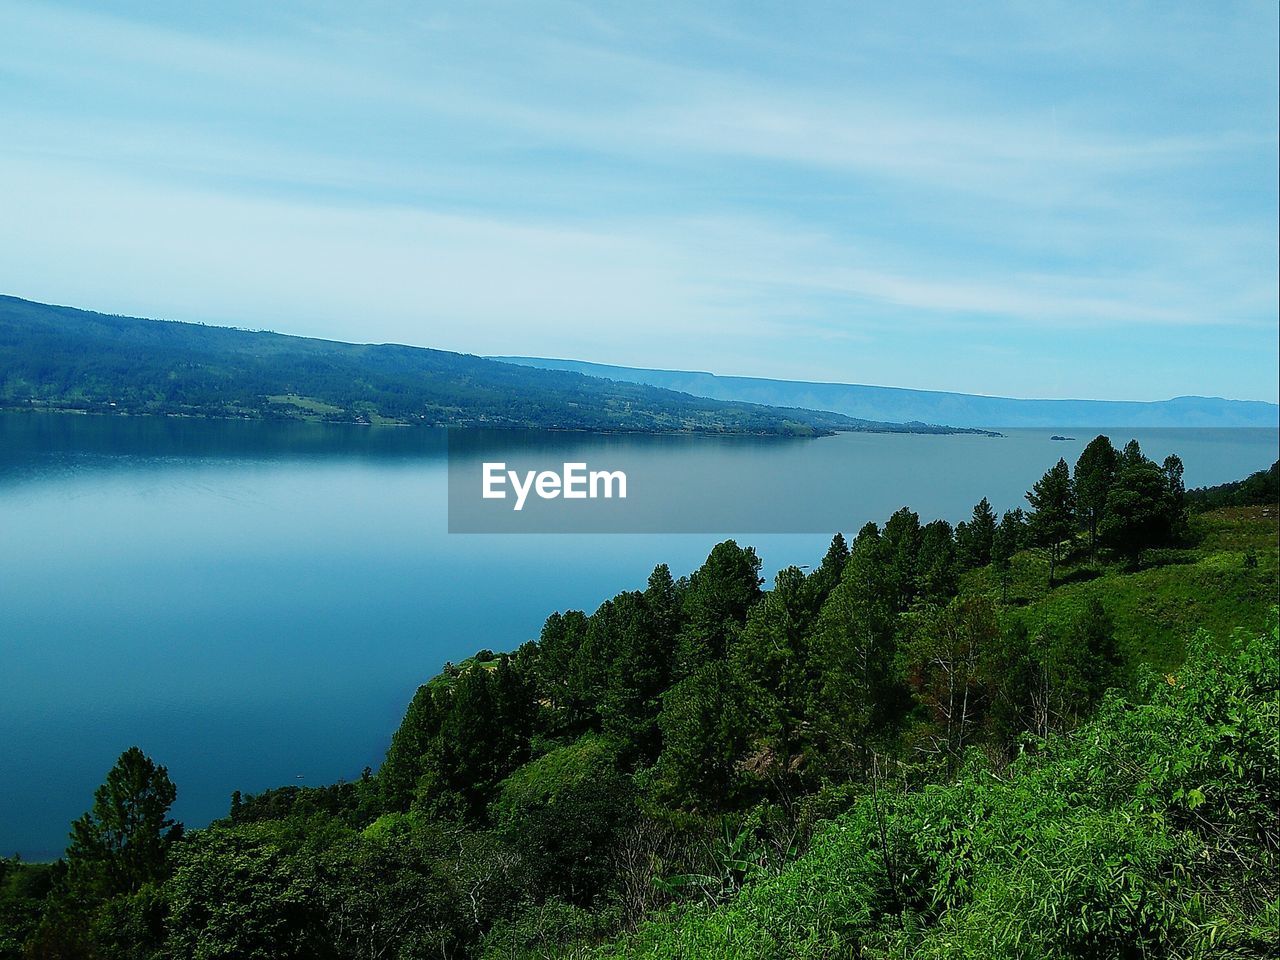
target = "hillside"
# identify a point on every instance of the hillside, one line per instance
(955, 409)
(67, 359)
(926, 745)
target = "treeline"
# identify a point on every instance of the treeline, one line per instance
(1256, 489)
(66, 359)
(678, 743)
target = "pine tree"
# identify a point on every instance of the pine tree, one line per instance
(974, 539)
(411, 745)
(122, 843)
(1095, 472)
(720, 593)
(1053, 521)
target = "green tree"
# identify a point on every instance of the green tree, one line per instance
(851, 663)
(123, 842)
(710, 721)
(390, 892)
(514, 706)
(1139, 510)
(901, 539)
(477, 749)
(244, 892)
(1003, 546)
(562, 636)
(636, 670)
(824, 579)
(937, 573)
(1177, 497)
(416, 739)
(662, 595)
(716, 602)
(1015, 523)
(772, 653)
(1076, 660)
(975, 539)
(563, 814)
(1053, 520)
(1095, 472)
(944, 657)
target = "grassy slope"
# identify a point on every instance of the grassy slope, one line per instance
(1156, 609)
(822, 903)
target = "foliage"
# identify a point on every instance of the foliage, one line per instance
(1258, 488)
(1151, 830)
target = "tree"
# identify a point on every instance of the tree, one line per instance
(413, 741)
(478, 747)
(662, 595)
(1015, 523)
(974, 539)
(1139, 512)
(772, 652)
(1095, 472)
(710, 720)
(123, 842)
(1053, 521)
(637, 669)
(901, 538)
(1003, 546)
(1076, 660)
(824, 579)
(937, 576)
(944, 656)
(564, 814)
(239, 892)
(562, 636)
(853, 647)
(513, 705)
(1177, 496)
(716, 602)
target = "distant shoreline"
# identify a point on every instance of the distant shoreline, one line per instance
(37, 407)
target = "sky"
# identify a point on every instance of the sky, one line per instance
(1032, 199)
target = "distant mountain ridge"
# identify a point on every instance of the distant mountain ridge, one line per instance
(63, 358)
(902, 404)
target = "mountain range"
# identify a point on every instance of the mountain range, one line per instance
(930, 406)
(63, 358)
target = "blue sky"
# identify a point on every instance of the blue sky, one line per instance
(1030, 199)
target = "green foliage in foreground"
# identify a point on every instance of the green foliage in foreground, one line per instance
(1150, 831)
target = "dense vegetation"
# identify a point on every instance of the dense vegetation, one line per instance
(66, 359)
(1254, 490)
(1006, 739)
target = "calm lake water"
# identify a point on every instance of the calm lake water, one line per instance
(255, 604)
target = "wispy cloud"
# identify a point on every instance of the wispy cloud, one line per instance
(678, 186)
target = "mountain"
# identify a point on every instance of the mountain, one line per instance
(63, 358)
(930, 406)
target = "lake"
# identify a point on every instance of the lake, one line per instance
(254, 604)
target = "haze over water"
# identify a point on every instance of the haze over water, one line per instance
(254, 604)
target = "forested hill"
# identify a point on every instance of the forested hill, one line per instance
(64, 358)
(933, 406)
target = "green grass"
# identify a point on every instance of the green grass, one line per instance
(1158, 607)
(309, 404)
